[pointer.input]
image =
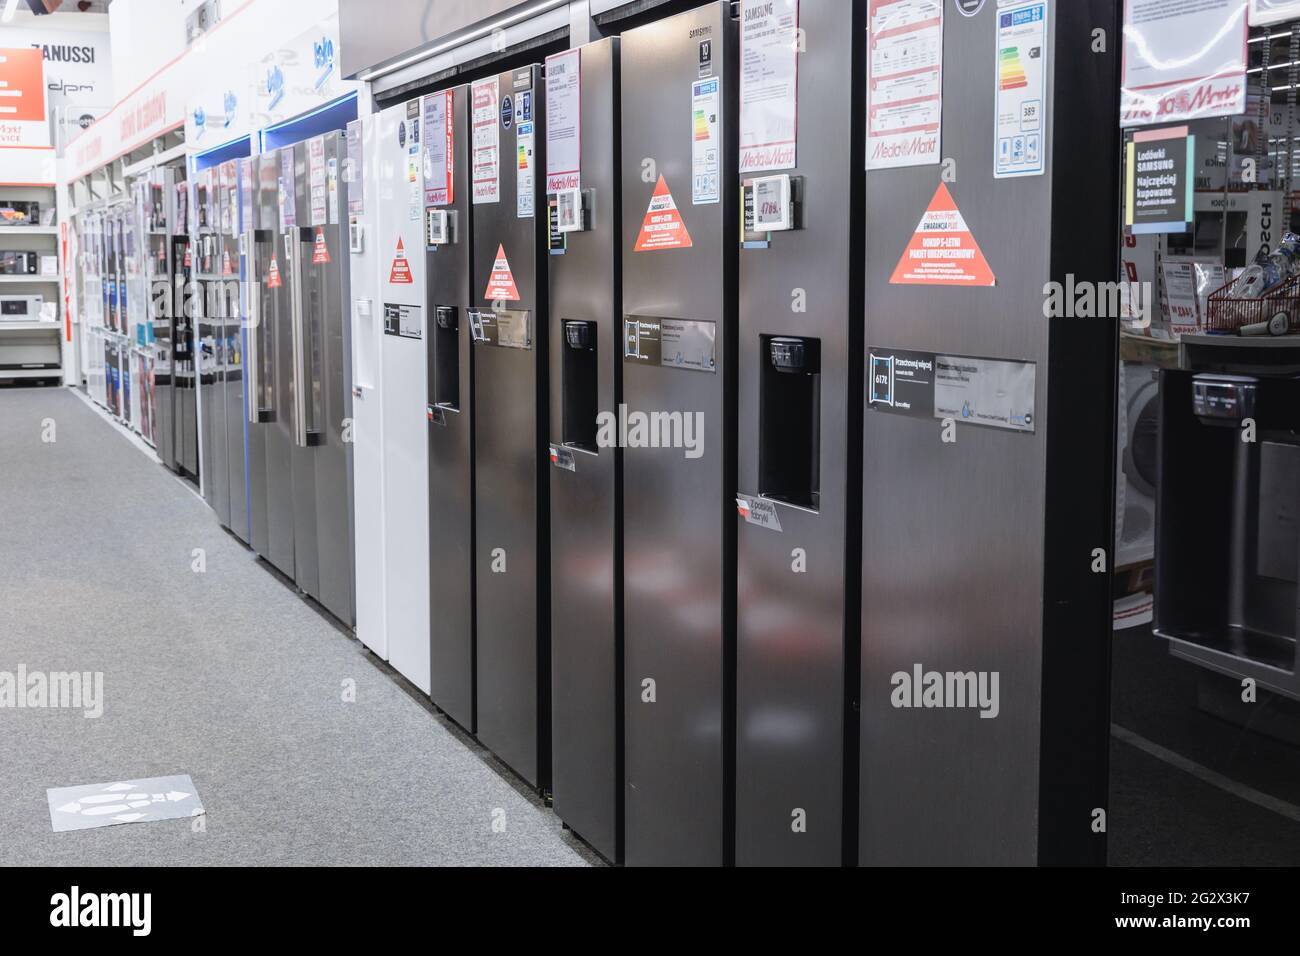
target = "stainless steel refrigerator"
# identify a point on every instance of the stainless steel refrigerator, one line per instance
(315, 249)
(211, 343)
(680, 218)
(451, 406)
(512, 513)
(232, 349)
(583, 205)
(298, 369)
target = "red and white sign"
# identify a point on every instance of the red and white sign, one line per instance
(501, 283)
(564, 121)
(320, 252)
(663, 226)
(904, 82)
(439, 148)
(485, 142)
(272, 274)
(400, 271)
(1183, 60)
(226, 269)
(23, 121)
(769, 84)
(942, 250)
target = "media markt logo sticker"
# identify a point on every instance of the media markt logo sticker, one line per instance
(663, 226)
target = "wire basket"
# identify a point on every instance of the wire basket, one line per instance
(1226, 313)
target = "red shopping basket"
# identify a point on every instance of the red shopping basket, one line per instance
(1226, 313)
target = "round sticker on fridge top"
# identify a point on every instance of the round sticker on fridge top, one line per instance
(968, 8)
(507, 111)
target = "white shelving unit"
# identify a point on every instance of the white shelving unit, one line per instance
(29, 230)
(26, 280)
(32, 326)
(31, 349)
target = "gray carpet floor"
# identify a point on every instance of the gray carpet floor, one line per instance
(226, 675)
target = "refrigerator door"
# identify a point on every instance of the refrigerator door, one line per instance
(304, 416)
(512, 512)
(368, 397)
(259, 344)
(402, 380)
(321, 284)
(586, 365)
(278, 363)
(211, 327)
(680, 523)
(451, 416)
(233, 338)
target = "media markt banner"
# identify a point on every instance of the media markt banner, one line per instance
(1183, 60)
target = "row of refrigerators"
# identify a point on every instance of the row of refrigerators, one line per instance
(437, 345)
(422, 356)
(137, 348)
(565, 414)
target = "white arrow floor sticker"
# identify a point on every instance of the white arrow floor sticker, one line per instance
(109, 804)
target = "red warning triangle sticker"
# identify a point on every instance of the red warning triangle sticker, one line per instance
(663, 226)
(501, 284)
(400, 273)
(273, 274)
(943, 251)
(321, 252)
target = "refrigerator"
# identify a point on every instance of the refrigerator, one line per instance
(512, 513)
(450, 410)
(320, 371)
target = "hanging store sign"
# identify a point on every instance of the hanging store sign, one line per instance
(769, 84)
(904, 83)
(1183, 60)
(1158, 176)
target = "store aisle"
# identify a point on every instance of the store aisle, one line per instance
(226, 675)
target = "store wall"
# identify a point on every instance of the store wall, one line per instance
(148, 34)
(165, 77)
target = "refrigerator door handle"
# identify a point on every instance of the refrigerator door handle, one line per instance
(252, 361)
(299, 349)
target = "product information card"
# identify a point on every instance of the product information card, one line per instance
(904, 83)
